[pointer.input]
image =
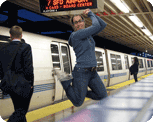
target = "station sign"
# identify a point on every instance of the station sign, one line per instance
(68, 7)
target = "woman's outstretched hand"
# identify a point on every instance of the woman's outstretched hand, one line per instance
(86, 11)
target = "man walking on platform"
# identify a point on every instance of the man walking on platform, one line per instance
(84, 73)
(22, 65)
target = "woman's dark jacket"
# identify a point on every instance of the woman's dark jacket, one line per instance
(134, 68)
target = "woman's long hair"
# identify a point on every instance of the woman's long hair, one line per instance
(136, 60)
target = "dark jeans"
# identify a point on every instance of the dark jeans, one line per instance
(21, 106)
(78, 91)
(135, 76)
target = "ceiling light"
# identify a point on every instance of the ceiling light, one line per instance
(151, 1)
(147, 32)
(136, 20)
(121, 5)
(1, 1)
(151, 37)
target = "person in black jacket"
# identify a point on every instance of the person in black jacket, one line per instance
(22, 64)
(134, 68)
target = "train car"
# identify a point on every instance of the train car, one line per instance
(118, 67)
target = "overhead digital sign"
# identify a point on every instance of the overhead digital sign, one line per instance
(65, 5)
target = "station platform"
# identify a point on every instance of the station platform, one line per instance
(131, 102)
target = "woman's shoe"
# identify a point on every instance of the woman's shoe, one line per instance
(67, 77)
(62, 76)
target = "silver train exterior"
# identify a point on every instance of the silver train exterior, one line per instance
(49, 53)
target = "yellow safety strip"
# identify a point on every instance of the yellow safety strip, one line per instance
(117, 86)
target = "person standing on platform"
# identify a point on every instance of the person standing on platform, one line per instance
(84, 73)
(22, 64)
(135, 68)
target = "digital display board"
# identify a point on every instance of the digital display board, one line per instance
(65, 5)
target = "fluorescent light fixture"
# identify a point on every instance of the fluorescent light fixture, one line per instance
(136, 20)
(55, 54)
(147, 32)
(151, 1)
(56, 62)
(64, 54)
(2, 1)
(100, 57)
(151, 37)
(121, 5)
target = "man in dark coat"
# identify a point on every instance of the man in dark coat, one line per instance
(22, 64)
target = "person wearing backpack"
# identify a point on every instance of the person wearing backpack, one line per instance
(22, 66)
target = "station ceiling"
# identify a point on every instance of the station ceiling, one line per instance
(120, 28)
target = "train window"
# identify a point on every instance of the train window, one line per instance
(66, 61)
(99, 58)
(126, 62)
(55, 56)
(140, 63)
(151, 64)
(116, 62)
(148, 63)
(113, 61)
(132, 60)
(119, 62)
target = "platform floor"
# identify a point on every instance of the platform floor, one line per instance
(65, 109)
(129, 105)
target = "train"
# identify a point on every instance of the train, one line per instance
(49, 53)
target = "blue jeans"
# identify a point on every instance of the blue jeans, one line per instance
(78, 91)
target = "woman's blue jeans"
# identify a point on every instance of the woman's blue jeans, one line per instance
(82, 78)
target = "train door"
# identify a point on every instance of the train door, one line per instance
(65, 62)
(131, 62)
(101, 65)
(149, 67)
(127, 65)
(60, 60)
(141, 67)
(145, 66)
